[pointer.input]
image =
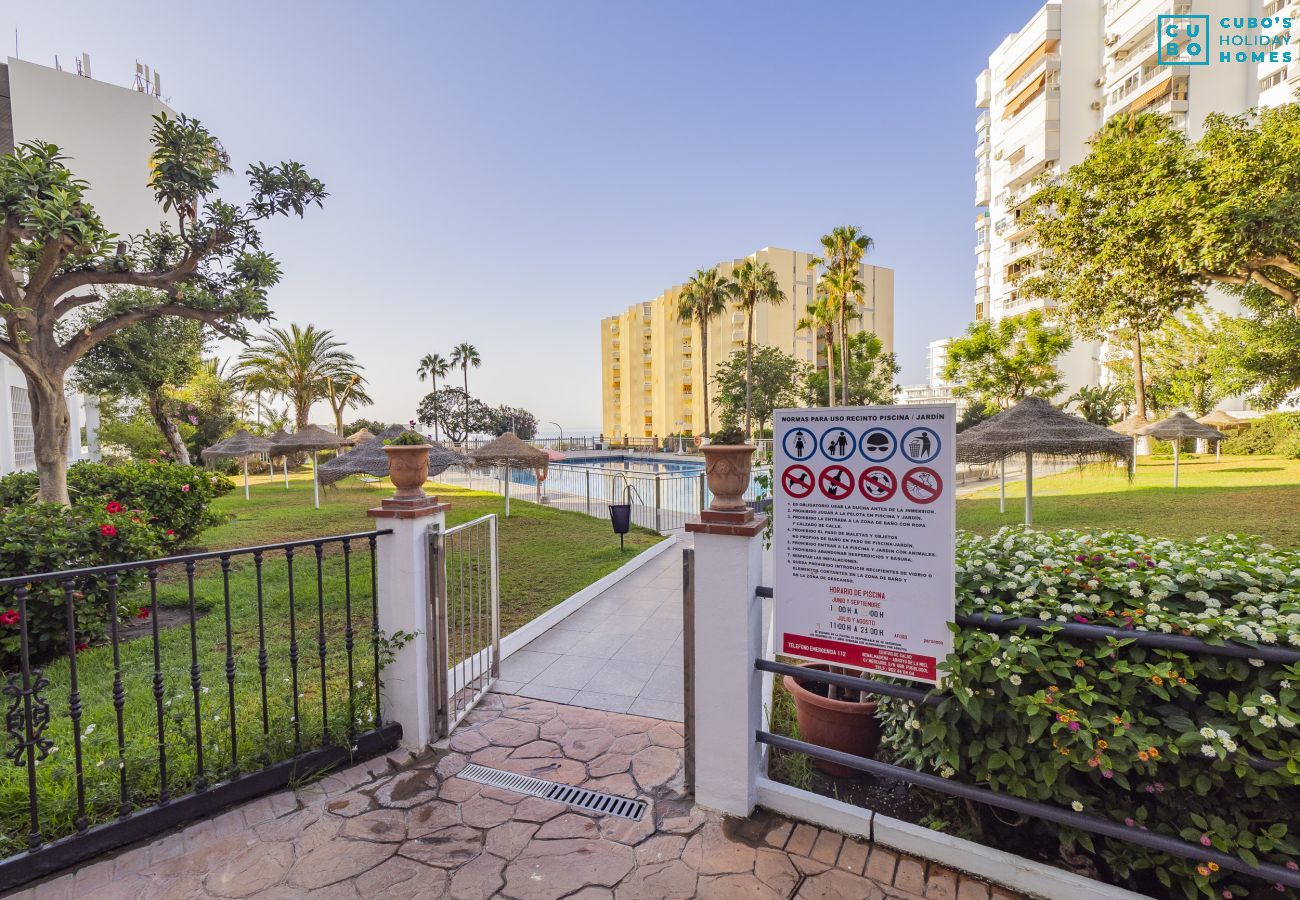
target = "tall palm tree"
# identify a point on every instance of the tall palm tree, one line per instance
(296, 363)
(345, 391)
(755, 283)
(704, 297)
(464, 355)
(434, 366)
(821, 322)
(841, 260)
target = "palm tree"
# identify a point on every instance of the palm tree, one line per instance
(755, 283)
(465, 355)
(344, 391)
(842, 253)
(434, 366)
(704, 297)
(297, 363)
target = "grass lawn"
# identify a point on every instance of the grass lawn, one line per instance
(546, 555)
(1240, 495)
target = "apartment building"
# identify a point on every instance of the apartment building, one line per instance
(104, 131)
(1051, 85)
(652, 377)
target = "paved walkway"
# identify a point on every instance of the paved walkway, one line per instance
(402, 827)
(621, 652)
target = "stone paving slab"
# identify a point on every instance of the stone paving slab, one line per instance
(405, 826)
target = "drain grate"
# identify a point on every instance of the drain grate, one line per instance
(592, 801)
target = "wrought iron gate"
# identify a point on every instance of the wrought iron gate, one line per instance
(464, 591)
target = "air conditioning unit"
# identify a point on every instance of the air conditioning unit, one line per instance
(1111, 40)
(1096, 104)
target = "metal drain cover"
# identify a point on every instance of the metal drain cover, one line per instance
(592, 801)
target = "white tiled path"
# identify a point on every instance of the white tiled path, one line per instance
(621, 652)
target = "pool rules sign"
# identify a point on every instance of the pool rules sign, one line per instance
(864, 534)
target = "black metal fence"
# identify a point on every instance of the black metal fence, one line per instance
(233, 673)
(1045, 811)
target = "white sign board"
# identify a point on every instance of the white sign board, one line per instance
(864, 536)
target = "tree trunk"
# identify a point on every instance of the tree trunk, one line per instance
(704, 371)
(50, 424)
(302, 413)
(465, 371)
(749, 369)
(844, 351)
(1139, 379)
(830, 365)
(433, 381)
(168, 428)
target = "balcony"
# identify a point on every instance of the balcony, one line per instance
(1034, 68)
(983, 89)
(983, 185)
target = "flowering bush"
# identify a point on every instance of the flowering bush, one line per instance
(1158, 739)
(176, 498)
(43, 537)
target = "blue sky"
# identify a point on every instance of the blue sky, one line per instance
(509, 173)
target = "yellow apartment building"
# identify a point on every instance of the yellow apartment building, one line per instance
(651, 377)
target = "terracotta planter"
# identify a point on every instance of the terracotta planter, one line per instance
(834, 724)
(408, 468)
(726, 468)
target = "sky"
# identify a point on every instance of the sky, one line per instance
(508, 173)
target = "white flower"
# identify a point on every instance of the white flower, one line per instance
(1076, 806)
(914, 724)
(1230, 745)
(1207, 750)
(1015, 679)
(995, 661)
(1251, 711)
(1285, 722)
(205, 688)
(1267, 699)
(1208, 733)
(90, 729)
(1222, 735)
(1268, 721)
(947, 772)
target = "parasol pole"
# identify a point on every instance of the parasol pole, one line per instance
(245, 476)
(1002, 488)
(315, 482)
(1218, 445)
(1029, 488)
(507, 489)
(1177, 441)
(270, 468)
(286, 471)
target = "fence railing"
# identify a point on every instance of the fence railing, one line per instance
(465, 592)
(239, 671)
(1021, 806)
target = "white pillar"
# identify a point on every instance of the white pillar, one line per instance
(92, 425)
(402, 571)
(728, 630)
(1029, 489)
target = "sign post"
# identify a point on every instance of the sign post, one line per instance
(864, 536)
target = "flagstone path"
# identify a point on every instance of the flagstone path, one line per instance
(405, 826)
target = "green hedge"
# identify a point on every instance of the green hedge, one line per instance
(1155, 739)
(177, 498)
(1274, 433)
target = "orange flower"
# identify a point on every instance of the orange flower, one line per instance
(1078, 663)
(1110, 612)
(1156, 679)
(1203, 871)
(1143, 755)
(1139, 611)
(1118, 720)
(1102, 745)
(1053, 688)
(1182, 680)
(1214, 867)
(1153, 753)
(1064, 751)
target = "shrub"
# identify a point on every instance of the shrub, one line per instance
(1290, 448)
(1154, 738)
(1267, 434)
(45, 537)
(177, 498)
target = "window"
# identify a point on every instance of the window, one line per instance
(1276, 78)
(24, 436)
(1274, 6)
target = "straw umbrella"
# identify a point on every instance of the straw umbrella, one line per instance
(1131, 427)
(1034, 426)
(313, 438)
(369, 458)
(509, 449)
(239, 444)
(1178, 426)
(359, 437)
(1220, 420)
(276, 439)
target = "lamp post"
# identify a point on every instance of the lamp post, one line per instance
(559, 429)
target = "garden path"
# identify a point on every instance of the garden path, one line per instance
(405, 826)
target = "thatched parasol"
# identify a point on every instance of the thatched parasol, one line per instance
(240, 444)
(1034, 426)
(1220, 419)
(369, 458)
(508, 449)
(313, 438)
(359, 437)
(1178, 426)
(1132, 425)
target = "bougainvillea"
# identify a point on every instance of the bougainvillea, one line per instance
(1205, 748)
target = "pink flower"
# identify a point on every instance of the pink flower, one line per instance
(1129, 822)
(1108, 773)
(1074, 726)
(112, 507)
(1291, 864)
(1205, 840)
(153, 462)
(185, 488)
(108, 530)
(1083, 619)
(9, 617)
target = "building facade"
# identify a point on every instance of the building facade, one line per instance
(1054, 83)
(104, 131)
(652, 377)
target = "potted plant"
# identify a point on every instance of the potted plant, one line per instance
(408, 464)
(727, 464)
(835, 718)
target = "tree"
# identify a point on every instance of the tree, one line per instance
(433, 366)
(1104, 229)
(998, 363)
(1180, 364)
(141, 362)
(755, 283)
(345, 391)
(298, 363)
(374, 426)
(870, 371)
(207, 404)
(513, 418)
(464, 355)
(840, 264)
(704, 297)
(1259, 355)
(821, 322)
(1098, 405)
(457, 413)
(758, 383)
(57, 255)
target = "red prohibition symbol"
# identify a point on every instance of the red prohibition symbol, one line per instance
(877, 484)
(797, 481)
(836, 482)
(922, 485)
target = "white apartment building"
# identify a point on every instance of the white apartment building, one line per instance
(1051, 85)
(104, 130)
(936, 388)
